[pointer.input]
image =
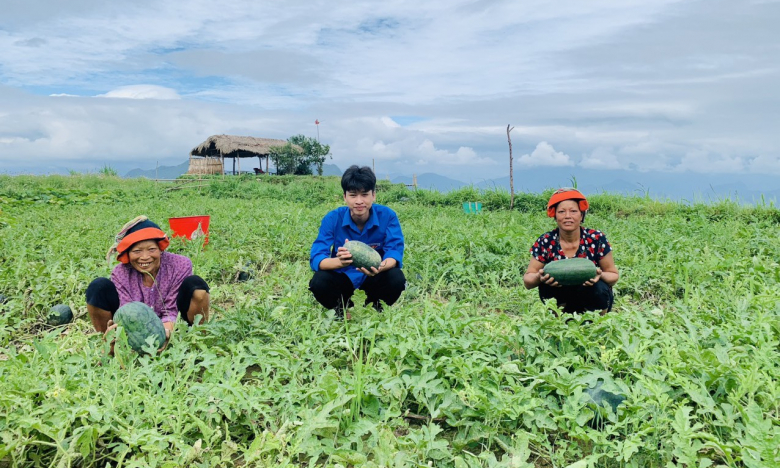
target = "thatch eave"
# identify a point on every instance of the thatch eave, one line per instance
(232, 146)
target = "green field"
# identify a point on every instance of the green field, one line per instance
(467, 369)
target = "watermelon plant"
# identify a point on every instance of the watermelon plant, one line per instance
(139, 322)
(363, 255)
(467, 369)
(60, 314)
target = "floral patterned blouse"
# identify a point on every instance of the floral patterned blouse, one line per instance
(593, 246)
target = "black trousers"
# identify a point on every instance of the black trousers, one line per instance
(334, 289)
(580, 298)
(101, 293)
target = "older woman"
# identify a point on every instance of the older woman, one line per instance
(569, 240)
(148, 274)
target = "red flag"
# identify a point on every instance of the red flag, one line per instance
(317, 122)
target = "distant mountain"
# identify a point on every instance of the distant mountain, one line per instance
(330, 170)
(163, 172)
(431, 181)
(677, 186)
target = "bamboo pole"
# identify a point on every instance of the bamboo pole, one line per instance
(511, 173)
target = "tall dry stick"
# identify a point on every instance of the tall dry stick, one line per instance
(511, 173)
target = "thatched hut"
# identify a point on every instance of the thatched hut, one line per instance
(209, 157)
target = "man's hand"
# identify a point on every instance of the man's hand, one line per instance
(386, 264)
(343, 256)
(373, 271)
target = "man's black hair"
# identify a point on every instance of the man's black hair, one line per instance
(358, 179)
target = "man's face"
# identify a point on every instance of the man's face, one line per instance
(359, 203)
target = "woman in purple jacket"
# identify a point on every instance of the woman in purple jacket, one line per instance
(148, 274)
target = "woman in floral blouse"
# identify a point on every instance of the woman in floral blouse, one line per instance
(569, 240)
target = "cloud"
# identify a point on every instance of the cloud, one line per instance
(545, 155)
(600, 158)
(142, 92)
(764, 164)
(707, 162)
(644, 85)
(430, 155)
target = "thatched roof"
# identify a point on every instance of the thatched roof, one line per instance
(231, 146)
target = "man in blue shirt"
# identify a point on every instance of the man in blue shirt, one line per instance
(335, 279)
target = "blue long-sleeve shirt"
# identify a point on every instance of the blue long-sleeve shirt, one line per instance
(382, 232)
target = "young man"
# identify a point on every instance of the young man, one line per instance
(335, 279)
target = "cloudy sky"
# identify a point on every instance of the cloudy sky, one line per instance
(640, 85)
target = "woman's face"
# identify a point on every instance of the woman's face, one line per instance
(145, 257)
(568, 215)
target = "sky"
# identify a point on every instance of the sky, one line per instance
(408, 86)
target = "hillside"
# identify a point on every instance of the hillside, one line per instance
(468, 369)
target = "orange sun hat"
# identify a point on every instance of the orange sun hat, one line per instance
(137, 230)
(566, 193)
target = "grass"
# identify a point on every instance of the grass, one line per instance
(468, 369)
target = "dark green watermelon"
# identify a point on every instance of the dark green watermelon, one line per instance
(571, 271)
(59, 315)
(363, 256)
(601, 397)
(140, 322)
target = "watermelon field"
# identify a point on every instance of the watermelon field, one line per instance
(468, 369)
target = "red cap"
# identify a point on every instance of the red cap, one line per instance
(566, 194)
(145, 230)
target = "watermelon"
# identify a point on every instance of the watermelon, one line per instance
(571, 271)
(140, 322)
(59, 315)
(363, 256)
(601, 397)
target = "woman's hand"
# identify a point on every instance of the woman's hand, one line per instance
(110, 327)
(168, 330)
(547, 279)
(595, 279)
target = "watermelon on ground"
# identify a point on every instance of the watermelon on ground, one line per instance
(59, 315)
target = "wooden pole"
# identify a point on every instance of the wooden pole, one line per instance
(511, 174)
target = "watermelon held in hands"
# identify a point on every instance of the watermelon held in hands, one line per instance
(59, 315)
(363, 256)
(571, 271)
(139, 322)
